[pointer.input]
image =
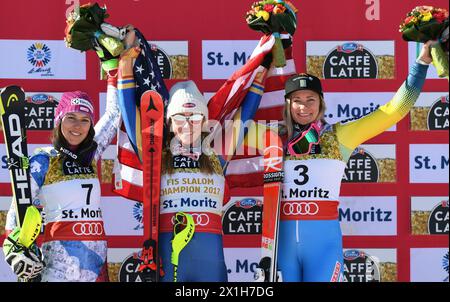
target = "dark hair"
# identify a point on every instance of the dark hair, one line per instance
(85, 151)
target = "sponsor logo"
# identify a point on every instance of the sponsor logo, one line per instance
(336, 273)
(438, 115)
(129, 272)
(71, 168)
(138, 216)
(445, 266)
(245, 266)
(352, 112)
(82, 102)
(360, 267)
(40, 98)
(372, 215)
(243, 217)
(300, 208)
(39, 55)
(438, 220)
(220, 58)
(188, 105)
(423, 162)
(200, 219)
(248, 203)
(163, 61)
(40, 112)
(350, 61)
(361, 167)
(87, 228)
(15, 143)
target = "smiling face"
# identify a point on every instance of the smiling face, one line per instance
(75, 127)
(187, 127)
(305, 106)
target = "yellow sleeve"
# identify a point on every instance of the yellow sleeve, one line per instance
(354, 133)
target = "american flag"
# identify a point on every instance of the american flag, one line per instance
(246, 169)
(243, 170)
(147, 76)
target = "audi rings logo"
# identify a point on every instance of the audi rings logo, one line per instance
(200, 219)
(87, 228)
(300, 208)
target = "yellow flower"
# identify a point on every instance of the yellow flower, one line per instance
(265, 15)
(427, 17)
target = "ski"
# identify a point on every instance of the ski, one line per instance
(273, 180)
(12, 111)
(152, 123)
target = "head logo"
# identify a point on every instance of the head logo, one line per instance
(438, 115)
(360, 267)
(361, 167)
(39, 54)
(350, 61)
(438, 220)
(138, 215)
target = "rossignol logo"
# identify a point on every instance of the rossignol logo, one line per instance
(360, 267)
(361, 167)
(438, 220)
(438, 115)
(39, 55)
(350, 61)
(243, 217)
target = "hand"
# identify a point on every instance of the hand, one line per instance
(425, 53)
(130, 38)
(268, 58)
(26, 263)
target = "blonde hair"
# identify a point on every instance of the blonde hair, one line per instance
(287, 117)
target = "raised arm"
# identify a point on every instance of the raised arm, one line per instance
(354, 133)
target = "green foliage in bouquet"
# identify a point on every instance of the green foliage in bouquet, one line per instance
(426, 23)
(273, 17)
(86, 29)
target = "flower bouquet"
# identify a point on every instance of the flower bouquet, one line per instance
(273, 17)
(426, 23)
(87, 30)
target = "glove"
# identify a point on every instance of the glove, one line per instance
(26, 263)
